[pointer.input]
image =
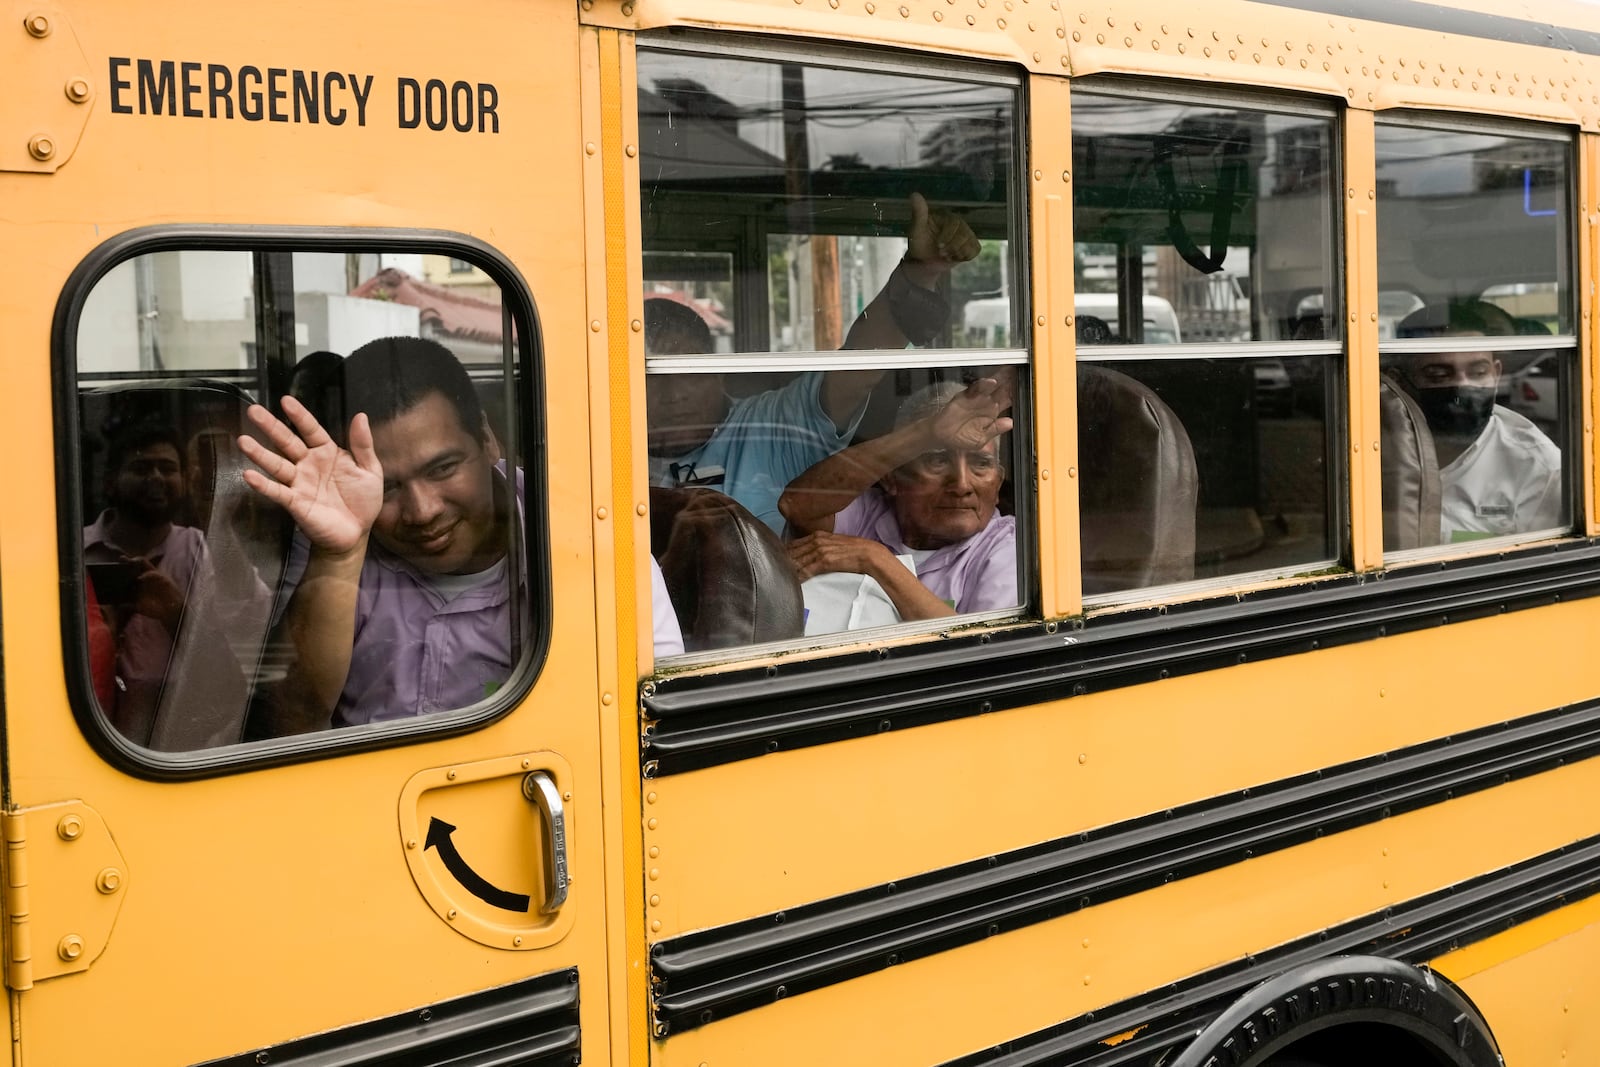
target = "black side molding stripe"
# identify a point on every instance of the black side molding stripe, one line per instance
(1415, 933)
(698, 721)
(1440, 19)
(533, 1023)
(710, 974)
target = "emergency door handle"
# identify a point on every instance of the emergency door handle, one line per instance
(541, 789)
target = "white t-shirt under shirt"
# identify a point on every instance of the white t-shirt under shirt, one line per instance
(1507, 482)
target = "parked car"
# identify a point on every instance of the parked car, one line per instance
(1274, 390)
(1535, 392)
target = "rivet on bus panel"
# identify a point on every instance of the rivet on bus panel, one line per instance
(109, 880)
(627, 10)
(37, 24)
(594, 326)
(78, 90)
(1072, 472)
(589, 149)
(1083, 757)
(938, 16)
(652, 824)
(70, 828)
(41, 146)
(600, 513)
(451, 914)
(71, 948)
(606, 699)
(630, 151)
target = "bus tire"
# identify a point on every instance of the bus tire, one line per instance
(1344, 1011)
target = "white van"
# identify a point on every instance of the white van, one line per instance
(988, 320)
(1160, 320)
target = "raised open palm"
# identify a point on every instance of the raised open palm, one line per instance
(334, 495)
(972, 418)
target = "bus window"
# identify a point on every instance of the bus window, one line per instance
(1201, 224)
(258, 563)
(812, 415)
(1485, 451)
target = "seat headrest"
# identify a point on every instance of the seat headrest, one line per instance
(1138, 489)
(1410, 470)
(729, 576)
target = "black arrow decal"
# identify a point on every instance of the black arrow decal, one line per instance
(439, 837)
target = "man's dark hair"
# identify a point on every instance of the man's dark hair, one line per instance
(392, 375)
(124, 441)
(674, 328)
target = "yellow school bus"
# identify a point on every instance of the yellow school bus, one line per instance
(958, 532)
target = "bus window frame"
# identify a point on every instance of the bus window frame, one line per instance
(1569, 299)
(525, 416)
(1338, 415)
(870, 59)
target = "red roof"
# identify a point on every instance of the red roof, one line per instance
(714, 319)
(447, 310)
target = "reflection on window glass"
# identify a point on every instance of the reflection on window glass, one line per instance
(222, 605)
(1478, 412)
(1199, 224)
(796, 208)
(810, 178)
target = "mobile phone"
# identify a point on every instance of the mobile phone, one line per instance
(115, 582)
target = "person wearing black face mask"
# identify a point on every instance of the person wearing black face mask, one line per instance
(1499, 474)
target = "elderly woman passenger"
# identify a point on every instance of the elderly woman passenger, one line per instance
(926, 489)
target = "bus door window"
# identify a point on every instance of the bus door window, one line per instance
(837, 415)
(1204, 245)
(1476, 223)
(204, 558)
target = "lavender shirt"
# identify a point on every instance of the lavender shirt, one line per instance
(978, 574)
(415, 653)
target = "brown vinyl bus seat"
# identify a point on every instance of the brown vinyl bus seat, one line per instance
(1138, 491)
(729, 576)
(1410, 470)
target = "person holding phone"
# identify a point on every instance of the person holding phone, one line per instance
(147, 572)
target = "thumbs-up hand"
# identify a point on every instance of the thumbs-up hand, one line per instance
(935, 242)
